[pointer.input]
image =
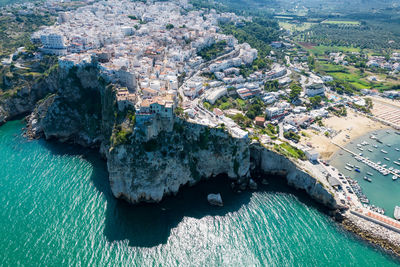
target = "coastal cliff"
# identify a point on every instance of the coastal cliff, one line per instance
(270, 162)
(154, 159)
(25, 94)
(148, 170)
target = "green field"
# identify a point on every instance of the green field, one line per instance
(322, 49)
(296, 26)
(345, 22)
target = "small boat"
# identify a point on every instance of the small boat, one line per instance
(375, 146)
(386, 158)
(389, 145)
(397, 211)
(396, 162)
(359, 148)
(397, 149)
(397, 133)
(348, 168)
(357, 167)
(367, 179)
(357, 170)
(369, 173)
(384, 165)
(379, 163)
(384, 151)
(394, 177)
(370, 150)
(350, 165)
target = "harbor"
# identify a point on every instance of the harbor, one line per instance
(376, 176)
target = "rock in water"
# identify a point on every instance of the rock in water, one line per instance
(215, 199)
(252, 184)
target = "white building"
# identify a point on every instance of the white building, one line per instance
(315, 89)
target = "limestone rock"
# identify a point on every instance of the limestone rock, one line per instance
(215, 199)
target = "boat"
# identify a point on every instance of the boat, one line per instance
(397, 211)
(387, 158)
(357, 170)
(384, 166)
(357, 167)
(389, 145)
(394, 177)
(397, 133)
(397, 149)
(367, 179)
(396, 162)
(379, 163)
(375, 146)
(348, 168)
(369, 173)
(360, 148)
(370, 150)
(384, 151)
(350, 165)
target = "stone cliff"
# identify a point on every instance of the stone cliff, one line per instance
(147, 162)
(268, 161)
(148, 170)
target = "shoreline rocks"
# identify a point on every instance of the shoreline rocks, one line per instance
(215, 200)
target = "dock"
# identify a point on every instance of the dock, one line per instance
(368, 162)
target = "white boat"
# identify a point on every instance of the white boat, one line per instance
(397, 213)
(379, 163)
(370, 150)
(369, 173)
(396, 162)
(389, 145)
(384, 165)
(348, 168)
(386, 158)
(375, 146)
(394, 177)
(360, 148)
(384, 151)
(397, 149)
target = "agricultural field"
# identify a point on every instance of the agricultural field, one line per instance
(341, 22)
(320, 50)
(359, 80)
(296, 27)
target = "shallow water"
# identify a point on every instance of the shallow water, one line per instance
(57, 209)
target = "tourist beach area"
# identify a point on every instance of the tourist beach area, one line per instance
(345, 129)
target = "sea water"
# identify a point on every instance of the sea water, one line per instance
(382, 191)
(57, 209)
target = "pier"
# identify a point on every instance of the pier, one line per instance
(368, 162)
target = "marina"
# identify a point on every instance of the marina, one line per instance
(382, 190)
(382, 169)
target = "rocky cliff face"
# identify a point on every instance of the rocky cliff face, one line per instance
(146, 170)
(80, 109)
(147, 162)
(268, 161)
(25, 99)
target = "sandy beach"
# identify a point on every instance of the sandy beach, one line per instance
(354, 125)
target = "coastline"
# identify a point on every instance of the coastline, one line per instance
(359, 126)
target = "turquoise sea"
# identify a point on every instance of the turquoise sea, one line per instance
(382, 191)
(57, 210)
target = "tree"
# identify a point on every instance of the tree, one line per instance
(169, 26)
(315, 101)
(295, 91)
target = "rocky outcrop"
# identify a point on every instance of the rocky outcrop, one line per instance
(78, 111)
(147, 162)
(148, 170)
(24, 100)
(268, 161)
